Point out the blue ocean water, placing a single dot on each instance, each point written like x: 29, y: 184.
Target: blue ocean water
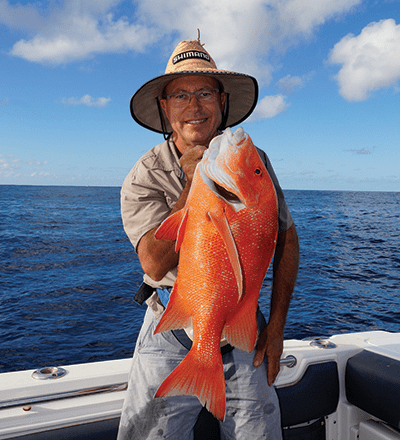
x: 68, y: 273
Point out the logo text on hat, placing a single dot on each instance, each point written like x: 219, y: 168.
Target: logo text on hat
x: 190, y: 54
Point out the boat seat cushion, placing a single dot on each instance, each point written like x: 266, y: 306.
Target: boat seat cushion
x: 373, y: 384
x: 314, y: 396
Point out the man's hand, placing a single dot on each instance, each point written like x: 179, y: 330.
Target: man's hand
x: 286, y: 264
x: 157, y: 257
x: 270, y: 344
x: 189, y: 160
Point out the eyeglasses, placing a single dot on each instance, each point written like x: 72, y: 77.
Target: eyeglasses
x: 182, y: 99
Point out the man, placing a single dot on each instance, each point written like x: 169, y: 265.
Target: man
x: 193, y: 101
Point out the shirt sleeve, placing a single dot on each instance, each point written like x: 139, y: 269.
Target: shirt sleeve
x: 143, y: 204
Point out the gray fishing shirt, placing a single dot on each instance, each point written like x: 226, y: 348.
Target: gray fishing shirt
x: 152, y: 188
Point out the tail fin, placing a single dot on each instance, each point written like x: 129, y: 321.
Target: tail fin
x: 196, y: 377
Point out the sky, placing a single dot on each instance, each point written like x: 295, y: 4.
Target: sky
x: 328, y: 114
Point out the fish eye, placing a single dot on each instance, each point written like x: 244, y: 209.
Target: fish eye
x: 258, y: 172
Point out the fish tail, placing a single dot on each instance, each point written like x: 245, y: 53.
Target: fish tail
x: 200, y: 378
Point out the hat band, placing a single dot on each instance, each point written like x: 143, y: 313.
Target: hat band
x: 190, y: 54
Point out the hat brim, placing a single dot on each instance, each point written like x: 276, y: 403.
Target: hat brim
x: 242, y: 89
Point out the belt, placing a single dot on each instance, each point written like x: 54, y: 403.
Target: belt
x: 184, y: 339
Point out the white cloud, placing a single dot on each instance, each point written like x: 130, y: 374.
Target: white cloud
x: 11, y: 166
x: 239, y: 35
x: 86, y: 100
x: 303, y: 16
x: 269, y: 107
x: 75, y: 29
x: 289, y: 84
x: 361, y: 151
x: 20, y: 16
x: 370, y: 61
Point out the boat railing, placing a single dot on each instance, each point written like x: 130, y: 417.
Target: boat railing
x: 63, y: 395
x: 50, y: 373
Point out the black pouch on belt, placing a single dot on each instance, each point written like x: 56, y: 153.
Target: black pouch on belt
x: 144, y: 293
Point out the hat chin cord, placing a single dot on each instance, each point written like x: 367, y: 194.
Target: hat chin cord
x: 162, y: 120
x: 225, y: 113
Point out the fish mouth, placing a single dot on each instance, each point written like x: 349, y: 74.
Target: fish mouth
x: 227, y: 195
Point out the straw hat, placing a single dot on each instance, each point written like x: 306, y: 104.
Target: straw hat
x: 190, y: 58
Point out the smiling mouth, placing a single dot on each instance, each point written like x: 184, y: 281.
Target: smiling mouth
x: 196, y: 121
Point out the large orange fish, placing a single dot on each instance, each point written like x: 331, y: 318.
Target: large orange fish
x: 226, y: 234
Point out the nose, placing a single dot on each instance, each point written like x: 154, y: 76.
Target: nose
x: 194, y: 100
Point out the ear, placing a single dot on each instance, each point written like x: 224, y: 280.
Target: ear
x: 223, y: 97
x: 164, y: 106
x: 224, y: 106
x: 163, y: 103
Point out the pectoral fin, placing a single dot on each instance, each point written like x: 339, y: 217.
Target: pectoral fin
x: 173, y: 227
x: 221, y: 224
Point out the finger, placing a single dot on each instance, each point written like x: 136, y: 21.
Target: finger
x: 273, y: 370
x: 260, y: 349
x: 258, y: 358
x: 190, y: 158
x: 274, y: 362
x: 196, y: 153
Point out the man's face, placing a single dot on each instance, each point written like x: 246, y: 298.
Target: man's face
x: 196, y: 123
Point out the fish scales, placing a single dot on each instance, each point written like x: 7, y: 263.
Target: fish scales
x: 225, y: 249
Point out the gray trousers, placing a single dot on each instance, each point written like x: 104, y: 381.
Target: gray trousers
x: 252, y: 407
